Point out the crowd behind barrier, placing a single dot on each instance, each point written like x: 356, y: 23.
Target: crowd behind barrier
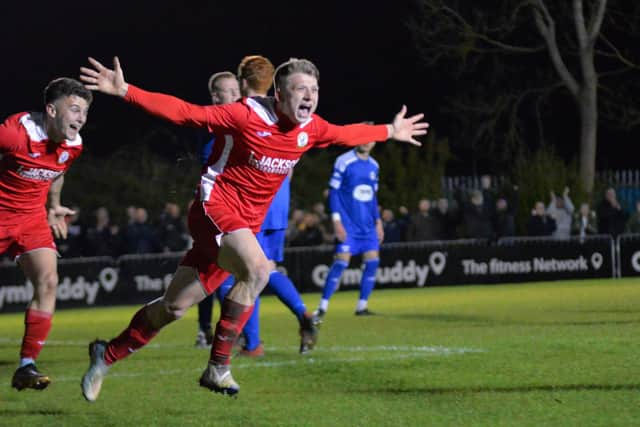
x: 139, y: 278
x: 474, y: 208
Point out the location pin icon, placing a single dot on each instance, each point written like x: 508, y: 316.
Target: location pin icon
x: 596, y: 260
x: 437, y: 262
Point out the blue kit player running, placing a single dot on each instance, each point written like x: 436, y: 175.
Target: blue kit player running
x: 356, y: 220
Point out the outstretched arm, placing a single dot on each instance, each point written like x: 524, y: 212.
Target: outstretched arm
x: 112, y: 82
x: 404, y: 129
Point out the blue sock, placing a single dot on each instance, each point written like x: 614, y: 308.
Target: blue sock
x: 251, y: 329
x: 225, y: 287
x: 368, y: 280
x: 205, y: 307
x: 333, y: 278
x: 283, y: 287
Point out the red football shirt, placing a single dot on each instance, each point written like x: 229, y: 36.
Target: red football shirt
x: 255, y: 147
x: 29, y: 163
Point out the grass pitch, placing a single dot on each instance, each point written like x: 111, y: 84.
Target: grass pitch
x: 561, y: 353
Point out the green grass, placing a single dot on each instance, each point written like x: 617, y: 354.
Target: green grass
x: 561, y: 353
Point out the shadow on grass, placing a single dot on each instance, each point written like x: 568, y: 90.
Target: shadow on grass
x: 485, y: 321
x: 7, y: 362
x: 516, y: 389
x: 31, y: 412
x: 444, y: 317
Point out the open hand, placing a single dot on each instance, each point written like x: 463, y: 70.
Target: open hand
x: 406, y: 128
x: 103, y: 79
x: 55, y: 218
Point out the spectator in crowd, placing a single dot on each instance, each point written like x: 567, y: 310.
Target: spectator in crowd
x: 139, y: 236
x: 584, y: 223
x: 103, y: 238
x: 477, y: 218
x: 611, y: 217
x: 172, y: 229
x: 504, y: 222
x: 392, y: 230
x: 131, y: 214
x: 423, y: 226
x: 308, y: 232
x: 561, y: 209
x: 325, y: 224
x: 295, y: 222
x: 74, y: 245
x: 489, y: 194
x: 633, y: 224
x: 403, y: 221
x: 446, y: 218
x: 540, y: 223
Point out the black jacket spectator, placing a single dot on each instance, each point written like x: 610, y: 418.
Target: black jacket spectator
x: 477, y: 218
x: 139, y: 236
x: 611, y: 217
x: 103, y: 238
x: 540, y: 224
x: 172, y: 229
x: 392, y: 229
x: 423, y: 226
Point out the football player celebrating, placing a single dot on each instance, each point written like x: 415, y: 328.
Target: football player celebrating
x: 258, y: 142
x: 36, y: 149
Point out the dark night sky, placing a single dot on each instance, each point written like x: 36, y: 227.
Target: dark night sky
x: 364, y: 52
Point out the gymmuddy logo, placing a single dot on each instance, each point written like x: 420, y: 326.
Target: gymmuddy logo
x: 403, y: 271
x: 69, y: 289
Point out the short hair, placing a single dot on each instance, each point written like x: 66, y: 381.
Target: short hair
x: 258, y: 71
x: 292, y: 66
x: 65, y: 86
x: 219, y: 76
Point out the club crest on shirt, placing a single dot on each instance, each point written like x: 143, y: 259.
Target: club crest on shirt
x: 303, y: 139
x: 63, y: 157
x: 372, y: 176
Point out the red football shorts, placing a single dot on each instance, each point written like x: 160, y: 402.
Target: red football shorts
x: 207, y: 225
x: 23, y: 233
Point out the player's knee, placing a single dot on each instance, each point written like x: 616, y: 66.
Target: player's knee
x: 174, y: 310
x: 258, y: 276
x: 47, y: 284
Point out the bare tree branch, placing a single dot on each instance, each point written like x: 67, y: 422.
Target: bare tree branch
x: 546, y: 26
x: 470, y: 31
x: 596, y: 22
x: 581, y: 29
x: 616, y: 53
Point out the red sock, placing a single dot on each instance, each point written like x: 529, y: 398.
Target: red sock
x: 137, y: 335
x: 233, y: 317
x: 37, y: 325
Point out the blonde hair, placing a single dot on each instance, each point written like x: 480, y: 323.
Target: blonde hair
x: 219, y: 76
x: 292, y: 66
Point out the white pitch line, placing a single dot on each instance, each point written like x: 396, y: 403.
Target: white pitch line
x: 389, y: 353
x: 439, y: 350
x: 275, y: 364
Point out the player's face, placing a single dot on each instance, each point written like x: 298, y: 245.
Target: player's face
x: 299, y: 98
x: 365, y: 148
x: 225, y: 91
x: 66, y: 116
